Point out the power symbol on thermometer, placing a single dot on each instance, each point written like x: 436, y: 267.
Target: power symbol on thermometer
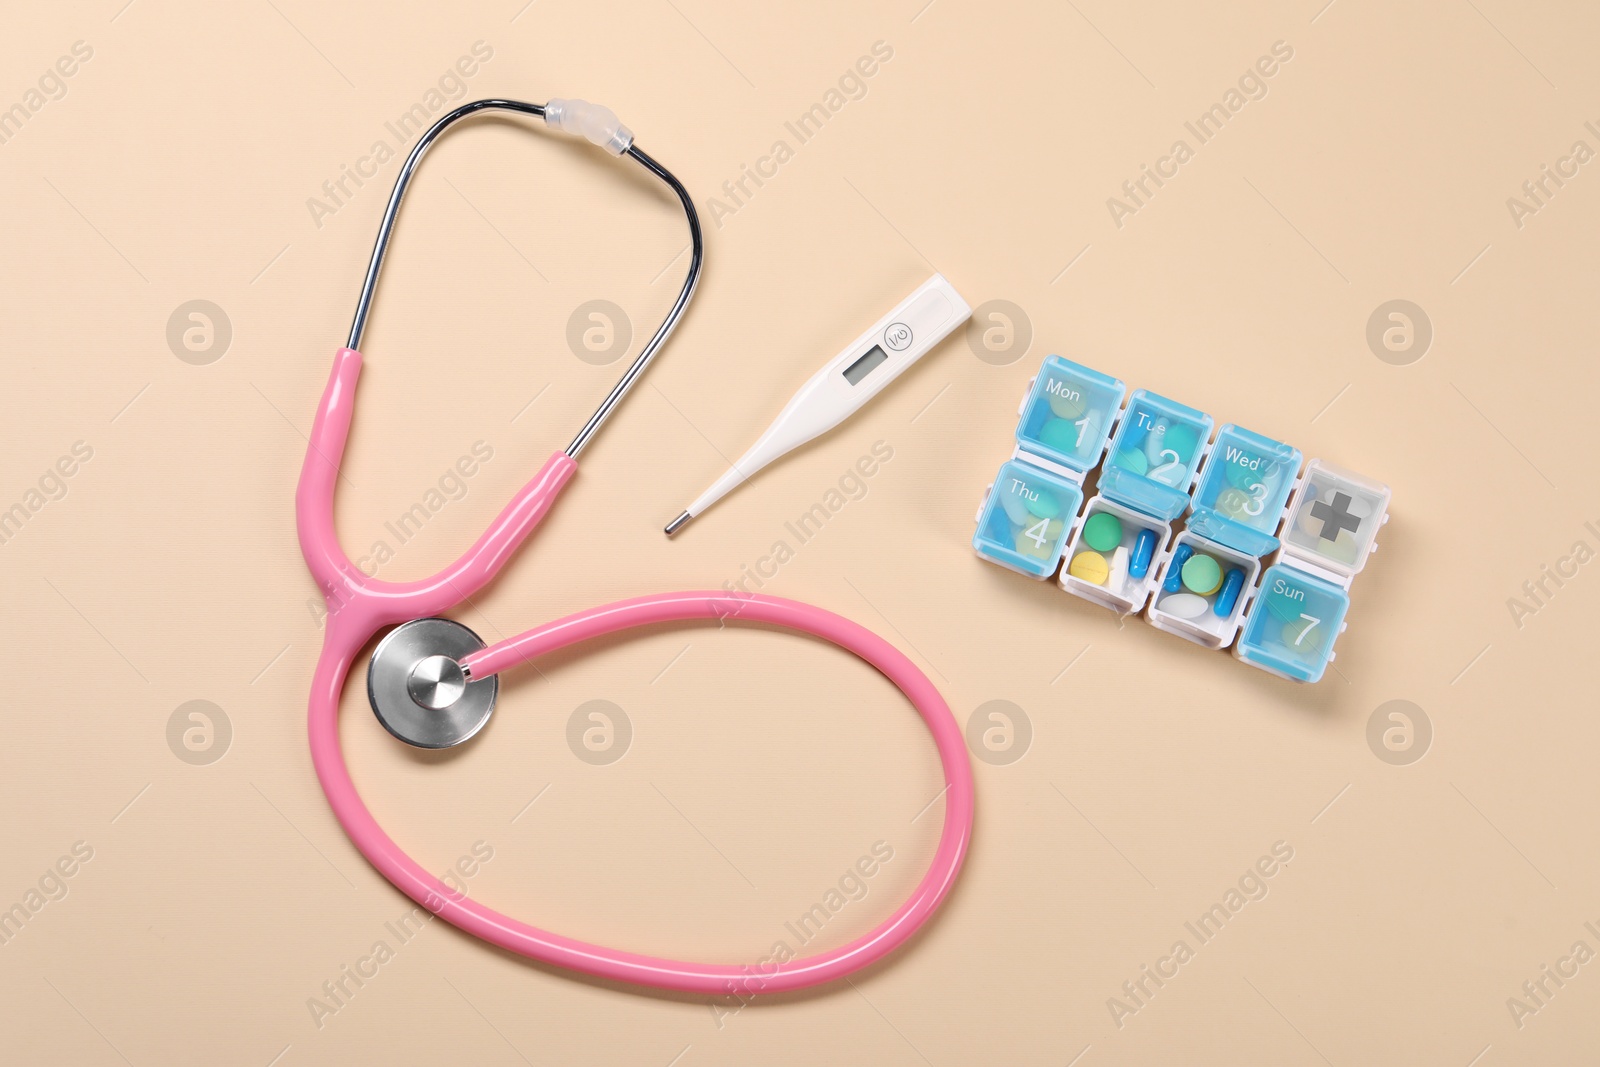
x: 897, y: 336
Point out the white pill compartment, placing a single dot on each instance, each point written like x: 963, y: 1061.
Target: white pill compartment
x: 1124, y: 591
x: 1191, y: 614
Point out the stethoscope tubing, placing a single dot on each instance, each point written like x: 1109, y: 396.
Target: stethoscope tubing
x: 359, y: 606
x: 535, y: 943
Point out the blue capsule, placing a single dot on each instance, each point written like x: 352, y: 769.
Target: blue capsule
x: 1144, y: 547
x: 1174, y: 581
x: 1228, y: 595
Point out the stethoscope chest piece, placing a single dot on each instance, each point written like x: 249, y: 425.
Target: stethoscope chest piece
x: 418, y: 690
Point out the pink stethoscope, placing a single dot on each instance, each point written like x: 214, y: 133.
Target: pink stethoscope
x: 432, y: 682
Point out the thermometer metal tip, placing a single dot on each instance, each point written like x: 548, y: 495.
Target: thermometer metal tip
x: 847, y: 382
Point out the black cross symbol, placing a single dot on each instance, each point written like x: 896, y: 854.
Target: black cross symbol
x: 1335, y: 516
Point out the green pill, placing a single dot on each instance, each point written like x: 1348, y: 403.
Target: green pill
x: 1246, y: 469
x: 1060, y: 435
x: 1287, y: 602
x: 1043, y: 503
x: 1132, y: 459
x: 1180, y: 439
x: 1202, y: 575
x: 1102, y: 532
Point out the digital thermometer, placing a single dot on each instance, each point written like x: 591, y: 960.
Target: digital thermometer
x: 849, y: 380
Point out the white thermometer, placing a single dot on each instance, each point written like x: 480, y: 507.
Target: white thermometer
x: 850, y: 379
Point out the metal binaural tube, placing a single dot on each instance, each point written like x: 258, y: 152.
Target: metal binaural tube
x: 690, y: 281
x: 380, y: 247
x: 651, y: 349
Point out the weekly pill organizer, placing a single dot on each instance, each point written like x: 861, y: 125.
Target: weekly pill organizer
x: 1266, y: 552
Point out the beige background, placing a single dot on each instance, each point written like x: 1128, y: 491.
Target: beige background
x: 220, y: 897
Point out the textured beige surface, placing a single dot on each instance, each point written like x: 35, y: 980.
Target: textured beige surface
x: 1377, y: 166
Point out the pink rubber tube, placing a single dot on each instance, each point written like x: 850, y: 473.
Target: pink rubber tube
x: 358, y: 606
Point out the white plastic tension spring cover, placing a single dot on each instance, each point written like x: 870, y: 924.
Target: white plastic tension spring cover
x: 595, y: 121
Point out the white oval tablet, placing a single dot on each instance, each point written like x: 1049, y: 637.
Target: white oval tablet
x: 1184, y: 605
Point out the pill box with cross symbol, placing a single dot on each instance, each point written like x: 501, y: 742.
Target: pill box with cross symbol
x: 1333, y: 521
x: 1222, y: 542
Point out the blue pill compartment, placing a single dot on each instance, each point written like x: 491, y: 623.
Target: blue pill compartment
x: 1334, y: 518
x: 1026, y: 519
x: 1068, y: 413
x: 1293, y: 624
x: 1207, y: 629
x: 1130, y: 594
x: 1153, y: 457
x: 1243, y: 489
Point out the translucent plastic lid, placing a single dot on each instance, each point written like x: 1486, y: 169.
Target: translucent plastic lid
x: 1293, y: 624
x: 1334, y: 516
x: 1026, y: 519
x: 1153, y: 458
x: 1243, y: 489
x: 1068, y: 413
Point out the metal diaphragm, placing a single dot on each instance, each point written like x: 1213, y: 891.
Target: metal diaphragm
x: 418, y: 690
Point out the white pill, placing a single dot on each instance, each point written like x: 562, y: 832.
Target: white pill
x: 1155, y: 441
x: 1184, y: 605
x: 1170, y: 473
x: 1119, y: 569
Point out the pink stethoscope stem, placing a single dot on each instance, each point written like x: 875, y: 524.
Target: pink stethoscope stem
x: 359, y: 606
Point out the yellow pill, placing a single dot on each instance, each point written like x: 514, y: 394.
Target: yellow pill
x: 1234, y: 503
x: 1342, y: 549
x: 1090, y: 566
x: 1066, y: 400
x: 1039, y: 538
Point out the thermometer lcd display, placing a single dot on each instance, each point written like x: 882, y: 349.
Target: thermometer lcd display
x: 864, y: 366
